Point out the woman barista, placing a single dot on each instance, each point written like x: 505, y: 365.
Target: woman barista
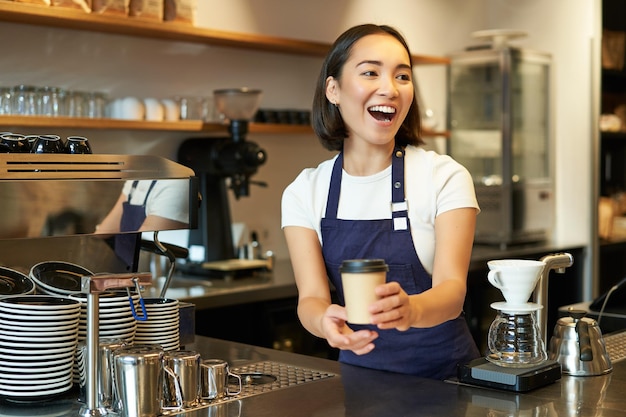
x: 365, y: 108
x: 145, y: 205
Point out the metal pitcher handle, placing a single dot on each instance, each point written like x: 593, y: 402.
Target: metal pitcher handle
x: 228, y: 392
x: 177, y: 388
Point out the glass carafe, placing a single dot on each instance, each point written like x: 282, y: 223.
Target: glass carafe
x: 515, y: 340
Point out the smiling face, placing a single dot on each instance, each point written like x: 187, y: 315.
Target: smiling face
x: 375, y: 90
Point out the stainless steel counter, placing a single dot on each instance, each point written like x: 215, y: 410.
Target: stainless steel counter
x: 351, y: 391
x: 207, y: 292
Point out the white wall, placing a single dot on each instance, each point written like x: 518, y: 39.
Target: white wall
x: 123, y: 65
x: 569, y: 30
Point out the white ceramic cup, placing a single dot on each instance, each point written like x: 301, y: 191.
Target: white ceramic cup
x: 359, y: 278
x: 154, y: 109
x: 515, y: 278
x: 127, y: 108
x: 172, y: 111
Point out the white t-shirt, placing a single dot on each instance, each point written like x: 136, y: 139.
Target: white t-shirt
x: 434, y: 184
x: 168, y: 198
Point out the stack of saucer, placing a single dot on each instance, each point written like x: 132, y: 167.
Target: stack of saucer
x: 115, y: 319
x: 162, y: 326
x: 58, y: 278
x: 38, y: 338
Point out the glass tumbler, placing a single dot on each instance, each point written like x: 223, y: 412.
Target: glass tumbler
x: 24, y: 100
x: 5, y: 100
x: 52, y: 101
x: 190, y: 108
x: 75, y: 104
x: 95, y: 105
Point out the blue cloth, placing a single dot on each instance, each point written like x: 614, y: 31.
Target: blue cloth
x: 429, y: 352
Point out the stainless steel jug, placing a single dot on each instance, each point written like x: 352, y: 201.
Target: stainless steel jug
x: 105, y: 388
x: 577, y: 344
x: 186, y: 366
x: 214, y: 374
x: 140, y: 376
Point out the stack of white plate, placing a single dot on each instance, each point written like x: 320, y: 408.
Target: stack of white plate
x: 58, y: 277
x: 38, y: 338
x: 162, y: 326
x: 13, y: 282
x: 115, y: 318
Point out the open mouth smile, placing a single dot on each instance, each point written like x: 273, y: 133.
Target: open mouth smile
x: 382, y: 113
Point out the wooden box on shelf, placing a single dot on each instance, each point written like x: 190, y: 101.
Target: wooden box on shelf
x: 607, y: 208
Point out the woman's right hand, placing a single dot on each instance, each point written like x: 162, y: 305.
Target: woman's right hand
x: 340, y: 336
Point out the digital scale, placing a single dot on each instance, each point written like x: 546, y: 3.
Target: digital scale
x: 481, y: 372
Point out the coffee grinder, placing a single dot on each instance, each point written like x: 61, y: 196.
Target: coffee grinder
x: 222, y: 163
x: 517, y: 358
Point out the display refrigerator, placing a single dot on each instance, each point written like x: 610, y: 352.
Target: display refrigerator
x: 500, y: 130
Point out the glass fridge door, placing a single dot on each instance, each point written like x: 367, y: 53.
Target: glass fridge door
x: 530, y: 131
x: 476, y: 98
x: 499, y: 115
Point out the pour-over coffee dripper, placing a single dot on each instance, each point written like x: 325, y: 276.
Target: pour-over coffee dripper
x: 514, y: 338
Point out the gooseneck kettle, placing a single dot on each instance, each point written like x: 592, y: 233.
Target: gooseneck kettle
x: 577, y: 344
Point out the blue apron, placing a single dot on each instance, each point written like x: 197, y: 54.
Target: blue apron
x: 133, y: 217
x: 429, y: 352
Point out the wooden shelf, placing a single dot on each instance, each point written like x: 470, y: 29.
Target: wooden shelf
x: 621, y: 241
x: 77, y: 19
x: 192, y: 126
x: 118, y: 124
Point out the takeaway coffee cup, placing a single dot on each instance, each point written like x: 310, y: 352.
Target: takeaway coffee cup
x: 359, y: 278
x: 515, y: 278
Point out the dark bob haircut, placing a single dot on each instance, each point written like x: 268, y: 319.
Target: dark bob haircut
x: 326, y: 119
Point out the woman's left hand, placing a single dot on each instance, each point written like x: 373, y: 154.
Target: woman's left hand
x: 393, y: 310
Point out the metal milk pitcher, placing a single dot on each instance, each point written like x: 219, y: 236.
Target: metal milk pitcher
x: 140, y: 376
x: 105, y: 388
x: 186, y: 366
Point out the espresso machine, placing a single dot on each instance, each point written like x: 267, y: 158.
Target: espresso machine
x: 223, y: 163
x: 37, y: 192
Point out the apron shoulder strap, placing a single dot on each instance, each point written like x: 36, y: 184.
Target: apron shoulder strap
x: 332, y: 203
